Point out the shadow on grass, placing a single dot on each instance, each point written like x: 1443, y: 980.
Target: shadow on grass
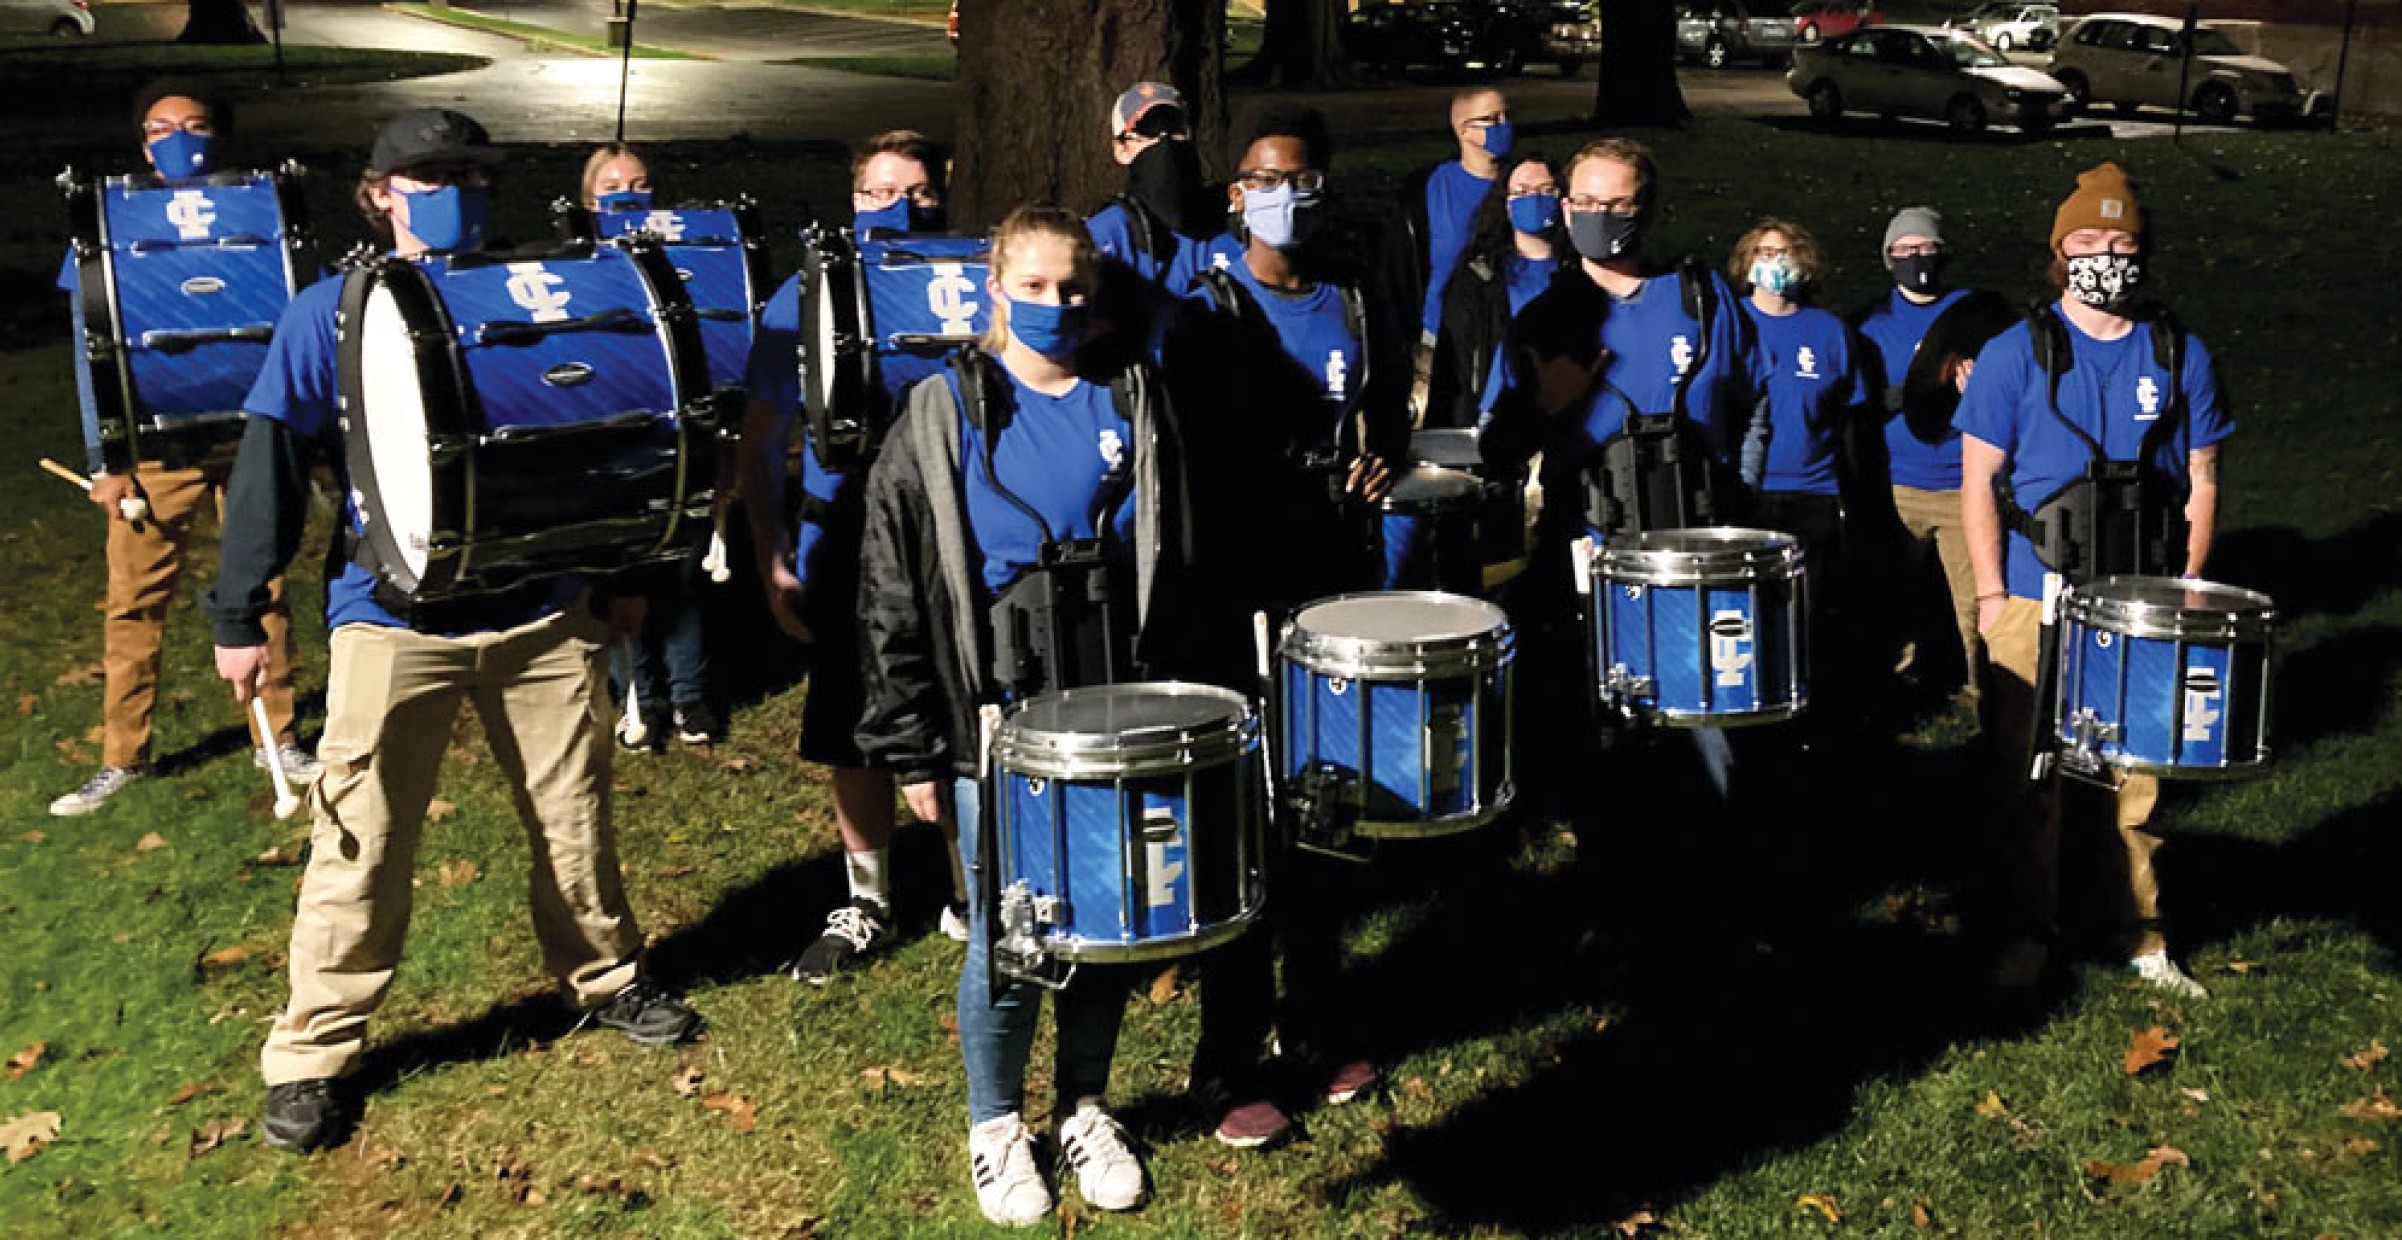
x: 2340, y: 870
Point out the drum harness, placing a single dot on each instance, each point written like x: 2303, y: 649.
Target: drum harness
x: 1658, y: 470
x: 1330, y: 463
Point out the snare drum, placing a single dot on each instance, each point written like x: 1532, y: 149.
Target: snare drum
x: 1129, y: 820
x: 1701, y: 627
x: 513, y: 417
x: 1405, y: 698
x: 1503, y: 532
x: 2164, y: 676
x: 1428, y: 527
x: 717, y: 250
x: 878, y: 315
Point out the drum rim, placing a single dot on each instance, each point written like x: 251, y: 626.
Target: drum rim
x: 1470, y: 497
x: 1360, y: 658
x: 1019, y: 750
x: 1164, y: 947
x: 2093, y: 606
x: 1772, y: 556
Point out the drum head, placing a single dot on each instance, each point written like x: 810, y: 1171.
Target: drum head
x: 1454, y: 448
x: 1114, y: 711
x: 1710, y: 554
x: 1433, y: 487
x: 2172, y: 608
x: 1401, y: 617
x: 399, y: 494
x: 1111, y: 731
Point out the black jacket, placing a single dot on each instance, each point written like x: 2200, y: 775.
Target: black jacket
x: 1476, y: 320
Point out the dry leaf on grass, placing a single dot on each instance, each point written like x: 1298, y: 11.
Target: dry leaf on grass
x: 2376, y: 1108
x: 457, y: 873
x: 33, y: 837
x: 1821, y: 1204
x: 150, y: 843
x: 737, y: 763
x: 2367, y: 1059
x: 1921, y: 1214
x: 225, y: 957
x: 281, y: 854
x: 2240, y: 966
x: 451, y: 1196
x: 88, y: 674
x: 2197, y: 1095
x: 214, y: 1133
x: 438, y: 809
x: 893, y: 1076
x: 2148, y: 1047
x: 2140, y: 1171
x: 24, y: 1136
x: 27, y: 701
x: 22, y: 1062
x: 191, y: 1090
x: 1991, y: 1104
x: 686, y: 1082
x: 740, y: 1110
x: 1634, y: 1222
x: 1165, y: 984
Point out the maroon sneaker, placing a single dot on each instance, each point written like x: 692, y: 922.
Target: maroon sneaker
x: 1350, y: 1081
x: 1253, y: 1124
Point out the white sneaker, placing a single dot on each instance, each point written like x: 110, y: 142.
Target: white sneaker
x: 954, y: 922
x: 1107, y: 1173
x: 105, y: 783
x: 300, y: 766
x: 2162, y: 973
x: 1009, y: 1187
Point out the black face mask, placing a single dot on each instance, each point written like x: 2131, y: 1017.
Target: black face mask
x: 1604, y: 235
x: 1918, y: 273
x: 1166, y: 179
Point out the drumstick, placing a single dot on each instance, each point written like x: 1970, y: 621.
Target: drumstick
x: 287, y: 802
x: 134, y: 507
x: 57, y: 470
x: 714, y: 563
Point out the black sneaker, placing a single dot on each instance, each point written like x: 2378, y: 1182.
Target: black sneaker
x: 308, y: 1115
x: 696, y: 724
x: 647, y: 1015
x: 852, y: 931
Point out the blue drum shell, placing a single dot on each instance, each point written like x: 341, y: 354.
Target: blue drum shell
x: 1701, y: 628
x: 2167, y: 677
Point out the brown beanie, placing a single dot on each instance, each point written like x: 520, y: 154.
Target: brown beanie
x: 2103, y: 200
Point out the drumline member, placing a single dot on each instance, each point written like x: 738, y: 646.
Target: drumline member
x: 1515, y: 246
x: 664, y: 670
x: 1925, y: 477
x: 811, y: 568
x: 1020, y: 458
x: 532, y: 666
x: 2099, y: 375
x: 181, y: 130
x: 1151, y: 228
x: 1422, y: 247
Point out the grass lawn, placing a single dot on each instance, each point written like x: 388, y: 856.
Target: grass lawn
x: 534, y: 36
x: 1638, y: 1033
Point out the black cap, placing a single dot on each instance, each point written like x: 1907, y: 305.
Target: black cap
x: 431, y: 136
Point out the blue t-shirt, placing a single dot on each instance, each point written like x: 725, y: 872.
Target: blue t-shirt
x: 774, y: 380
x: 1452, y: 195
x: 1894, y: 327
x: 1317, y: 335
x: 1652, y: 341
x: 1053, y: 456
x: 1527, y: 278
x: 1223, y: 252
x: 1113, y: 234
x: 1812, y: 378
x: 2114, y: 390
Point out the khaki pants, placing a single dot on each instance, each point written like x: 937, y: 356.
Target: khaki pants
x: 144, y: 563
x: 1934, y: 516
x: 2032, y: 811
x: 541, y: 693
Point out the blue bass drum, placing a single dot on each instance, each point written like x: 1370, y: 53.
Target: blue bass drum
x: 1127, y: 823
x: 717, y: 250
x: 2165, y: 677
x: 182, y: 286
x: 877, y: 315
x: 514, y: 417
x: 1398, y: 704
x: 1701, y: 627
x: 1428, y: 526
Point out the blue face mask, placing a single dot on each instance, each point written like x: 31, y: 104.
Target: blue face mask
x: 1776, y: 275
x: 624, y: 200
x: 900, y: 215
x: 1500, y: 136
x: 1283, y: 217
x: 1534, y: 213
x: 182, y: 154
x: 1056, y: 332
x: 449, y: 218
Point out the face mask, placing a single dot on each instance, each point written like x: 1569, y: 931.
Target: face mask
x: 1053, y: 331
x: 1283, y: 217
x: 1604, y: 235
x: 624, y: 200
x: 1500, y: 136
x: 1165, y: 178
x: 449, y: 218
x: 1776, y: 275
x: 2103, y: 280
x: 1919, y: 273
x: 900, y: 215
x: 1535, y: 213
x: 182, y: 154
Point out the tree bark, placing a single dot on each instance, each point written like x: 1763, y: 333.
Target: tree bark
x: 1036, y: 82
x: 1638, y: 65
x: 219, y: 21
x: 1301, y: 44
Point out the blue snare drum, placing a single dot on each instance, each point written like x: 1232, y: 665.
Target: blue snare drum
x: 1701, y: 627
x: 182, y: 286
x: 1127, y: 822
x: 512, y: 417
x: 1428, y: 525
x: 2164, y: 676
x: 877, y: 315
x: 1401, y: 699
x: 717, y: 250
x: 1502, y: 530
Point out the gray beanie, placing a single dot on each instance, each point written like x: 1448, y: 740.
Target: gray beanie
x: 1923, y: 221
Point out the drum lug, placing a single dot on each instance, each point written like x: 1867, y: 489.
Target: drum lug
x: 1324, y: 803
x: 2083, y: 756
x: 1621, y: 688
x: 1018, y: 949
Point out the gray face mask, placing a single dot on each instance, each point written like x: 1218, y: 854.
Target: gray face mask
x: 2104, y: 280
x: 1604, y: 235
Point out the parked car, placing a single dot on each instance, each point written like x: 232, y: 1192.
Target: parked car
x: 1824, y: 19
x: 2028, y: 27
x: 2133, y: 60
x: 1563, y: 33
x: 1925, y: 71
x: 1721, y: 32
x: 63, y: 18
x: 1466, y: 37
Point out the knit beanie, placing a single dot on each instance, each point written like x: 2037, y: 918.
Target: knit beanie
x: 1924, y: 222
x: 2103, y: 200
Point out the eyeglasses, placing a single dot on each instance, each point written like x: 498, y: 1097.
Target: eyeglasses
x: 886, y: 195
x: 1305, y: 180
x: 1532, y: 190
x: 199, y: 125
x: 1922, y: 250
x: 1488, y: 121
x: 1582, y: 203
x: 1769, y: 251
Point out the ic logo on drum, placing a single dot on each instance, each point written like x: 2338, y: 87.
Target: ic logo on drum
x: 191, y: 212
x: 950, y: 296
x: 1163, y: 855
x: 538, y: 292
x: 2202, y: 699
x: 1730, y: 647
x: 669, y: 225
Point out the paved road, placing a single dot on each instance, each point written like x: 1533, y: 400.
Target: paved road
x: 735, y: 31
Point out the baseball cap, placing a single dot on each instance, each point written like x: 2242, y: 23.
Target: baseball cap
x: 1161, y: 103
x: 431, y: 136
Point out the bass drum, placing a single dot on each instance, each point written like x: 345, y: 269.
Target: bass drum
x: 515, y: 417
x: 717, y: 250
x: 877, y: 315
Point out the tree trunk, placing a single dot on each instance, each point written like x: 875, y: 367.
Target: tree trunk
x: 1036, y: 81
x: 1638, y: 65
x: 219, y: 21
x: 1301, y: 44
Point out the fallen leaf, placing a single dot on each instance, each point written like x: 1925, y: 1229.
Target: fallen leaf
x: 737, y: 763
x: 950, y: 1026
x: 1921, y: 1215
x: 1634, y: 1222
x: 214, y: 1133
x: 591, y: 1183
x: 2240, y: 966
x: 22, y: 1062
x: 186, y: 1093
x: 150, y: 843
x: 450, y: 1196
x: 383, y: 1155
x: 2360, y: 1147
x: 24, y: 1136
x: 457, y: 873
x: 88, y: 674
x: 225, y: 956
x: 1820, y: 1204
x: 279, y: 855
x: 33, y: 837
x: 95, y: 734
x: 27, y: 701
x: 2369, y: 1058
x: 742, y: 1111
x: 2376, y: 1108
x: 2148, y: 1047
x: 1991, y: 1104
x: 438, y: 809
x: 1165, y: 984
x: 2141, y: 1170
x: 1416, y: 1087
x: 686, y: 1082
x: 2198, y: 1095
x: 881, y: 1077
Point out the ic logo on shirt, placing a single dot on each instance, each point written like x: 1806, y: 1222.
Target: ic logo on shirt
x: 1680, y: 354
x: 1806, y: 358
x: 1338, y: 374
x: 2147, y: 399
x: 537, y: 292
x: 1113, y: 450
x: 669, y: 225
x: 950, y: 297
x: 191, y: 212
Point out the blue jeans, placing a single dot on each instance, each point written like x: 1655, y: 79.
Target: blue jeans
x: 996, y: 1034
x: 671, y: 636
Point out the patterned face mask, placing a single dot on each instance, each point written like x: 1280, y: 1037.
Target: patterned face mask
x: 2101, y: 280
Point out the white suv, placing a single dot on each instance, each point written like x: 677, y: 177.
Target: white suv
x: 54, y: 17
x: 2132, y: 60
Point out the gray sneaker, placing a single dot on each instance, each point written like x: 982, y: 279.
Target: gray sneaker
x: 300, y: 766
x: 95, y: 791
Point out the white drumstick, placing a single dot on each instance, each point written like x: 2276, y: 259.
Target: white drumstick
x: 287, y: 802
x: 714, y: 563
x: 133, y: 506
